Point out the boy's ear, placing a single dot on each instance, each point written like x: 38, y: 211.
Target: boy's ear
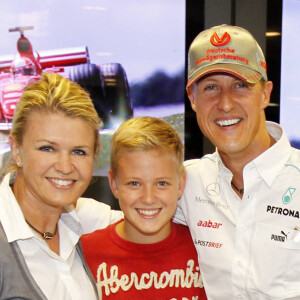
x: 113, y: 184
x: 182, y: 184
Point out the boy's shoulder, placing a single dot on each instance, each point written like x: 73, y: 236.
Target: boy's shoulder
x: 180, y: 228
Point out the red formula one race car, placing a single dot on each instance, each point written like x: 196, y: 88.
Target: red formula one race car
x: 106, y: 83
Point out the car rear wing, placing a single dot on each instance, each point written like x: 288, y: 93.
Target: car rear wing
x: 53, y: 58
x: 5, y: 62
x: 64, y: 57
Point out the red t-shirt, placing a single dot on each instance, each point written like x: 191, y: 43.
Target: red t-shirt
x: 125, y: 270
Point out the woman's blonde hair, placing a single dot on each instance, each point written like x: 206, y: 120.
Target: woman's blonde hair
x: 52, y: 94
x: 143, y: 134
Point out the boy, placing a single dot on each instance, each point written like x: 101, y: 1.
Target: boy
x: 145, y: 255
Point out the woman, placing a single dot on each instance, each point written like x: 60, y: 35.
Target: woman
x: 54, y: 141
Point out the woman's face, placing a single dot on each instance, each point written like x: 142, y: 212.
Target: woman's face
x: 57, y: 155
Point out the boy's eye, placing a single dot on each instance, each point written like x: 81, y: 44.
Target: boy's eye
x: 46, y: 148
x: 79, y: 152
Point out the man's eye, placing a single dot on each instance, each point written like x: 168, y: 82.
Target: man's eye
x: 79, y: 152
x: 46, y: 148
x: 242, y: 85
x: 209, y: 87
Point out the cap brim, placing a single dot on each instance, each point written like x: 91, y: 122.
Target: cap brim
x: 242, y: 72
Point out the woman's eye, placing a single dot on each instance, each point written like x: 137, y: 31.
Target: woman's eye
x: 162, y: 183
x: 46, y: 148
x: 133, y: 183
x: 79, y: 152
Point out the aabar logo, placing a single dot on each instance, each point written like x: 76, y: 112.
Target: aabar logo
x: 216, y: 41
x: 209, y: 224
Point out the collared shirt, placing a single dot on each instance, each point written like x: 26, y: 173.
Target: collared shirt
x: 59, y: 276
x: 248, y: 248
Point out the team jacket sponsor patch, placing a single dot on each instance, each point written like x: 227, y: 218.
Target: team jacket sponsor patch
x: 209, y: 224
x: 283, y: 211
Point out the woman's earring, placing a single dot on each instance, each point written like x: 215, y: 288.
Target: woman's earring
x: 19, y: 164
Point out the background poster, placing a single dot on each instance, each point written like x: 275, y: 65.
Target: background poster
x: 290, y: 62
x: 146, y: 37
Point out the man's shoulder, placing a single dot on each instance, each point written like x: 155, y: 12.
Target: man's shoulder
x: 295, y: 153
x: 294, y: 159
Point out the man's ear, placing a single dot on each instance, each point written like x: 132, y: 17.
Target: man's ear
x: 113, y: 184
x: 267, y: 90
x: 191, y: 96
x: 15, y: 149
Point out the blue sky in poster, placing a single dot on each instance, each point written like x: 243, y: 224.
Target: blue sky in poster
x: 143, y: 36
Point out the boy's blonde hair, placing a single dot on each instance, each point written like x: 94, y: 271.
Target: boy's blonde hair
x: 143, y: 134
x: 52, y: 94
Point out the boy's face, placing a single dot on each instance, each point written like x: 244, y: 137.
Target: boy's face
x: 148, y: 186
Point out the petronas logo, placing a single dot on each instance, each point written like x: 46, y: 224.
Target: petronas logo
x: 288, y: 195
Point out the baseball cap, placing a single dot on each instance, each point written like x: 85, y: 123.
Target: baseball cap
x: 228, y: 49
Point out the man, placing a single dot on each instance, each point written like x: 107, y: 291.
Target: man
x: 241, y: 203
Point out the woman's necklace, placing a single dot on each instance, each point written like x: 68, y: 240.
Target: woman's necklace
x: 46, y: 235
x: 241, y: 191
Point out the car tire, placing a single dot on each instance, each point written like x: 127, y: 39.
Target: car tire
x: 89, y: 77
x: 117, y: 98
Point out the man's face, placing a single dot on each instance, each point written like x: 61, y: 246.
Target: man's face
x: 230, y: 112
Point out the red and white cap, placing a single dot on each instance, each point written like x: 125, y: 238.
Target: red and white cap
x: 228, y: 49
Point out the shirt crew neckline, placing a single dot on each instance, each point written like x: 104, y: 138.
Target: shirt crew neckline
x: 122, y: 243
